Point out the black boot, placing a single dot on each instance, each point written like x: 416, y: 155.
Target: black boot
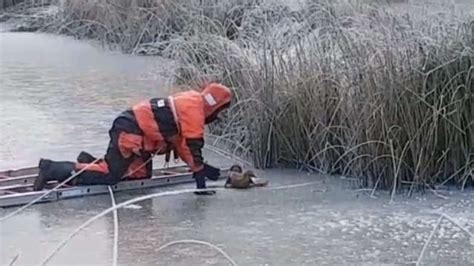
x: 201, y: 184
x: 85, y: 157
x: 50, y: 170
x: 211, y: 172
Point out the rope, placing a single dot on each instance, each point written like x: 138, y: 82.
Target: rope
x: 442, y: 216
x: 116, y: 229
x: 471, y: 235
x: 14, y: 259
x: 199, y: 242
x: 138, y: 199
x: 140, y: 167
x: 47, y: 192
x: 105, y: 212
x: 293, y: 186
x: 428, y: 240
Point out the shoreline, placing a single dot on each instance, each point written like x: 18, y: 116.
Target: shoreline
x: 262, y: 87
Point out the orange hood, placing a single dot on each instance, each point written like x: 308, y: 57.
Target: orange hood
x: 216, y: 98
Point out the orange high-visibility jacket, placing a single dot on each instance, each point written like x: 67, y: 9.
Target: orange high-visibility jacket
x: 193, y: 110
x: 178, y: 121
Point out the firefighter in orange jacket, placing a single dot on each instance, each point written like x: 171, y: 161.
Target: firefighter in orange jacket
x: 150, y: 127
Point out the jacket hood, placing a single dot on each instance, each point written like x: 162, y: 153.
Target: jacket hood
x: 216, y: 98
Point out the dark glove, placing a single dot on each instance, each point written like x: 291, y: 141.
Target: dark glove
x: 201, y: 183
x: 211, y: 172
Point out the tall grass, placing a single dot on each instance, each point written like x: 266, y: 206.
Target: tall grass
x: 349, y: 89
x: 146, y: 25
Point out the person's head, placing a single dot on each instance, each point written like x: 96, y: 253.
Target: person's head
x: 217, y: 98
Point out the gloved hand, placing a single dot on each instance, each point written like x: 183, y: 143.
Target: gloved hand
x: 201, y: 183
x: 211, y: 172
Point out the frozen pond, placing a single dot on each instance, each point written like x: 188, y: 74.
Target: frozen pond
x: 58, y: 96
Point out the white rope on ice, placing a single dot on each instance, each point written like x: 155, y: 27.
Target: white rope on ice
x: 441, y: 217
x: 116, y: 229
x: 199, y: 242
x: 142, y: 198
x: 418, y: 261
x: 105, y: 212
x: 292, y: 186
x: 14, y: 259
x: 471, y: 235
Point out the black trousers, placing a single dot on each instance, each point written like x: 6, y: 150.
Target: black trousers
x: 118, y: 165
